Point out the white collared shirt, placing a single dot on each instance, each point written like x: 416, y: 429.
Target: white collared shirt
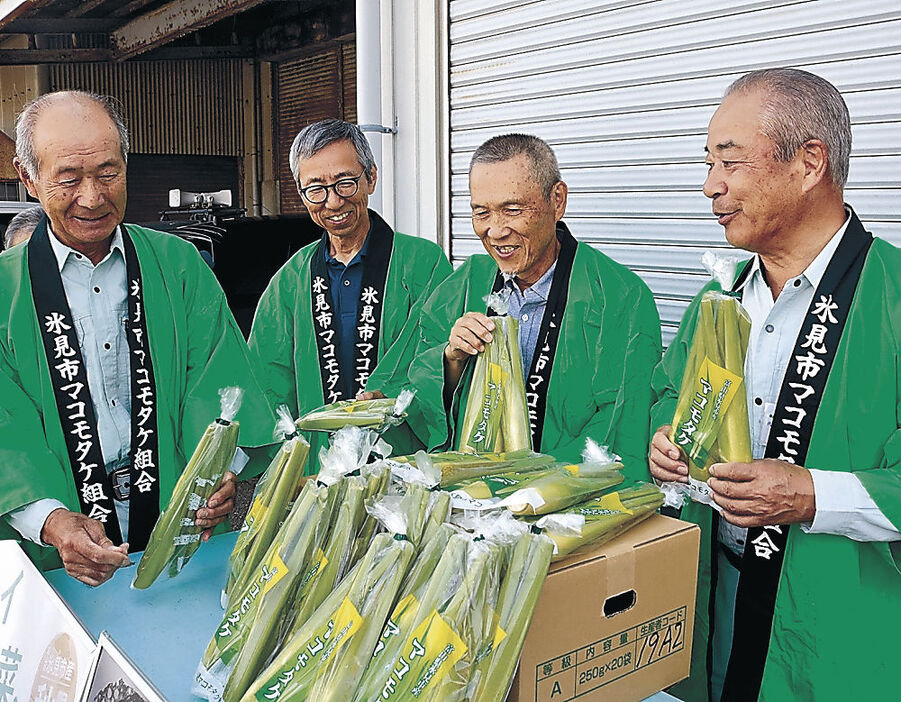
x: 843, y: 506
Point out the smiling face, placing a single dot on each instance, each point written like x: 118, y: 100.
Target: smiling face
x: 80, y: 179
x: 755, y: 197
x: 513, y: 218
x: 341, y: 217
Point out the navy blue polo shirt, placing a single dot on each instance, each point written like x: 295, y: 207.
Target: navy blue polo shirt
x: 345, y: 283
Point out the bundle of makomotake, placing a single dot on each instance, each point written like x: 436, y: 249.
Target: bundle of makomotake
x: 374, y: 588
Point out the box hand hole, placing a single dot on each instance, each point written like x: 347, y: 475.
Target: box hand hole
x: 619, y: 603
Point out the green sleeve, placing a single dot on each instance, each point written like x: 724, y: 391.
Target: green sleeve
x: 29, y: 470
x: 629, y: 350
x: 428, y: 416
x: 884, y: 482
x: 423, y: 274
x: 271, y: 346
x: 217, y: 357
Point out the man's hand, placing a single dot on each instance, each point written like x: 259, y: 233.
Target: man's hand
x: 370, y: 395
x: 219, y: 506
x: 87, y: 553
x: 763, y: 492
x: 468, y: 337
x: 665, y: 459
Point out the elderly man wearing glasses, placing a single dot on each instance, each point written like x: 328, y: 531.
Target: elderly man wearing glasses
x: 340, y: 318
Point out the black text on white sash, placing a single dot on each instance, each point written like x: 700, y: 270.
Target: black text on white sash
x: 789, y: 440
x: 369, y: 314
x: 539, y: 377
x: 74, y: 405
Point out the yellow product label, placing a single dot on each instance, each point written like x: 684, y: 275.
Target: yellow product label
x: 319, y: 563
x: 345, y: 624
x: 274, y: 569
x: 255, y: 512
x: 612, y: 502
x: 574, y: 469
x: 696, y: 430
x: 432, y: 652
x: 499, y: 633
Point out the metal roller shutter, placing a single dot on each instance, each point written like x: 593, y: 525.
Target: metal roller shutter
x: 623, y: 92
x: 309, y: 89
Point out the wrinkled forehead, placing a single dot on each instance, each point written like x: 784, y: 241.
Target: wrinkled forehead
x: 736, y: 123
x: 502, y: 182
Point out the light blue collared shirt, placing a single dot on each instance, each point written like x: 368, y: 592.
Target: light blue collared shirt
x: 528, y: 307
x: 97, y: 297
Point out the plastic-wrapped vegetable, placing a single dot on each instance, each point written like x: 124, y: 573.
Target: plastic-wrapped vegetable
x: 175, y: 537
x: 520, y: 587
x: 275, y: 493
x: 710, y: 423
x: 456, y: 466
x: 336, y: 556
x: 429, y: 575
x: 568, y: 485
x: 379, y: 415
x: 326, y: 657
x: 497, y: 417
x: 378, y: 478
x: 593, y: 523
x: 401, y: 658
x: 257, y: 617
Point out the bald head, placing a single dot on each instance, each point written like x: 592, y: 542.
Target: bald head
x: 70, y: 108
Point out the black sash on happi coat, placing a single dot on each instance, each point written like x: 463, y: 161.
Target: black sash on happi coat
x: 539, y: 378
x: 74, y: 405
x: 369, y: 313
x: 789, y: 440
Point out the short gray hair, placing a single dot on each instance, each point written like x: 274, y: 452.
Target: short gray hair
x: 315, y: 137
x: 545, y: 169
x: 28, y: 117
x: 799, y: 106
x: 22, y: 226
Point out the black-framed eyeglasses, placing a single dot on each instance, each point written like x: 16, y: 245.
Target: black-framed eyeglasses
x: 345, y: 188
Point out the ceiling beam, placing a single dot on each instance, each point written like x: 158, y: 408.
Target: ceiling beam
x: 70, y: 25
x: 84, y: 7
x: 26, y: 57
x: 171, y: 21
x: 13, y: 9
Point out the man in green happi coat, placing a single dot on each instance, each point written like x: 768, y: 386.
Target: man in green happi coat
x: 114, y: 343
x: 589, y: 331
x: 339, y: 320
x: 799, y: 593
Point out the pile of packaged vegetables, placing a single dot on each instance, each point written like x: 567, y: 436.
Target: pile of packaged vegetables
x: 374, y: 588
x: 710, y: 424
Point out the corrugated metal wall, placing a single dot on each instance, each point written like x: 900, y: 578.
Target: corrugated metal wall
x: 309, y: 89
x: 171, y: 107
x: 623, y: 91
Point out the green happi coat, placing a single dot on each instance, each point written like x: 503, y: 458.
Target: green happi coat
x: 600, y: 379
x: 838, y: 605
x: 283, y: 339
x: 196, y: 349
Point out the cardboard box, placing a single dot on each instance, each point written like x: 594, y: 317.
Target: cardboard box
x: 615, y: 623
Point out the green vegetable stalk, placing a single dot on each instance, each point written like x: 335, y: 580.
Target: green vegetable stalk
x: 520, y: 589
x: 456, y: 466
x: 378, y: 415
x: 710, y: 423
x: 175, y: 537
x: 337, y: 552
x: 275, y: 493
x: 496, y: 417
x: 326, y: 658
x: 434, y: 577
x: 591, y: 524
x: 558, y: 489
